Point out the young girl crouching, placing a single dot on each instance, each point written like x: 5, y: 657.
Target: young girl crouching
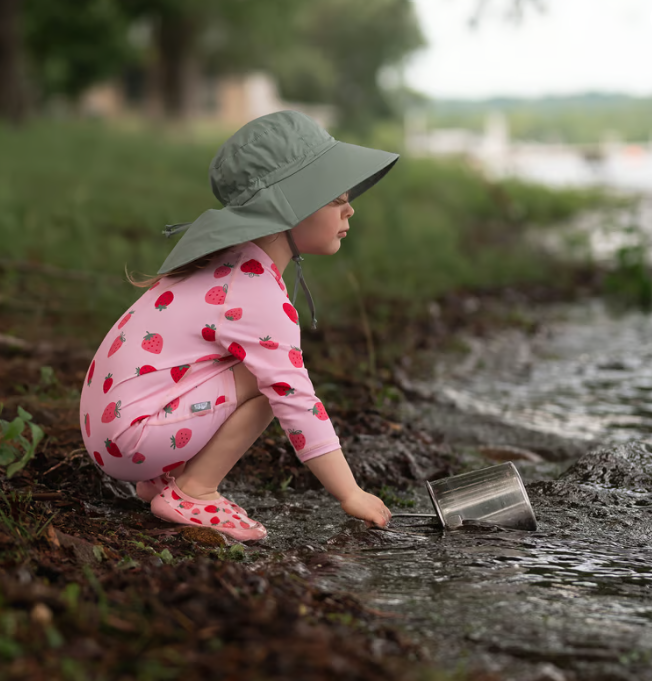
x: 195, y: 370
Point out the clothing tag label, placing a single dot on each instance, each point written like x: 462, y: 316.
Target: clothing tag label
x: 200, y: 406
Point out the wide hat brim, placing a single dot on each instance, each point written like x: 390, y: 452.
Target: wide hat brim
x: 282, y: 205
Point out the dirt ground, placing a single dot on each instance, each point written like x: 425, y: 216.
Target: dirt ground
x: 92, y: 586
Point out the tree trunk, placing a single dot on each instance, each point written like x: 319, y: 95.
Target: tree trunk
x: 13, y: 102
x: 174, y: 38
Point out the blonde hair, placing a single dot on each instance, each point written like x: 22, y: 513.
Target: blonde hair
x: 179, y: 272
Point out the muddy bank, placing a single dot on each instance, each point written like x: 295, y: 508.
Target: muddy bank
x: 423, y: 599
x: 94, y: 586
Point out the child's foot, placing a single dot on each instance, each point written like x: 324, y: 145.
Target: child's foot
x: 173, y: 505
x: 148, y: 489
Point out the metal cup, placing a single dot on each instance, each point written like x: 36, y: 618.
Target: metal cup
x: 494, y: 495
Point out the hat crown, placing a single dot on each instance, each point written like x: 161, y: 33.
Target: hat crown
x: 263, y: 152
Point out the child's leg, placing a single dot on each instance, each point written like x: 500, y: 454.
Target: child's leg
x: 206, y: 470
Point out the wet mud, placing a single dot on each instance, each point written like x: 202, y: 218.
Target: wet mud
x: 93, y: 586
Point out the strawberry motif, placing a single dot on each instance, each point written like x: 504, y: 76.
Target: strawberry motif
x: 87, y: 424
x: 283, y: 389
x: 208, y: 358
x: 223, y: 271
x: 208, y: 332
x: 196, y: 520
x: 214, y: 520
x: 91, y: 371
x: 171, y: 406
x: 210, y: 509
x: 220, y: 400
x: 117, y: 344
x: 172, y: 466
x: 234, y: 314
x: 229, y: 524
x: 252, y: 268
x: 277, y: 275
x: 111, y: 411
x: 164, y: 300
x: 112, y: 448
x: 291, y: 312
x: 245, y: 525
x: 296, y: 357
x: 147, y: 369
x: 216, y: 295
x: 319, y: 411
x: 175, y: 496
x: 186, y: 504
x: 297, y: 439
x: 125, y: 319
x: 268, y: 343
x: 237, y: 351
x: 108, y: 382
x: 195, y: 511
x: 177, y: 373
x: 137, y: 458
x: 181, y: 439
x: 98, y: 458
x: 152, y: 342
x: 140, y: 418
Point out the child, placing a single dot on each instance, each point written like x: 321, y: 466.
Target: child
x: 195, y: 370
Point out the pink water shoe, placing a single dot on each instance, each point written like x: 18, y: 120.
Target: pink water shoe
x: 222, y: 515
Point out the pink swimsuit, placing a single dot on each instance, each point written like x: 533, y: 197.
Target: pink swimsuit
x: 161, y: 383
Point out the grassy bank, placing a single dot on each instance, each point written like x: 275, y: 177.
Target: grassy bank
x: 79, y: 201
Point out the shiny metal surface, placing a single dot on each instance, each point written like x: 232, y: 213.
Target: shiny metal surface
x: 493, y: 495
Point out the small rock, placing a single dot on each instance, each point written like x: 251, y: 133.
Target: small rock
x: 41, y: 614
x: 548, y: 672
x: 203, y: 535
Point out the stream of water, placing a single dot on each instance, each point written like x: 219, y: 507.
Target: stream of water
x: 571, y: 601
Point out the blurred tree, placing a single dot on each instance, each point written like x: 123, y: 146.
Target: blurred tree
x: 13, y: 105
x: 217, y: 37
x: 338, y: 49
x: 73, y: 43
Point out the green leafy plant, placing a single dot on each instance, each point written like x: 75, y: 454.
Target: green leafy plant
x: 630, y: 279
x: 16, y: 449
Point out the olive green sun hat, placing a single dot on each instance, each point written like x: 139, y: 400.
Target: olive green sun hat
x: 270, y: 175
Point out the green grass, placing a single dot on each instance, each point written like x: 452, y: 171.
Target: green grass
x: 86, y: 198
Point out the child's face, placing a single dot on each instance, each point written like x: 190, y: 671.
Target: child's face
x: 322, y: 232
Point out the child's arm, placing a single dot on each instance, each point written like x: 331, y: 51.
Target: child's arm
x: 333, y: 471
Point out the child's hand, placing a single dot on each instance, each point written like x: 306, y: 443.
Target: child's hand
x: 367, y: 507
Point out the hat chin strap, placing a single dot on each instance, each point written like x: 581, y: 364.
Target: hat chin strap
x: 296, y: 256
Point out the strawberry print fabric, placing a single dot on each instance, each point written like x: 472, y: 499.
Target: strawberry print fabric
x: 160, y: 383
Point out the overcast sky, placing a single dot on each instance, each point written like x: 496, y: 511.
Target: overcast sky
x: 577, y: 45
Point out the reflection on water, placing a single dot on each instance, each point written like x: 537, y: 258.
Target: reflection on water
x: 569, y: 602
x: 590, y: 378
x: 575, y: 594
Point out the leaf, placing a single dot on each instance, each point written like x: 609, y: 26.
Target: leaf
x: 37, y: 434
x: 98, y: 552
x: 237, y: 552
x: 14, y: 429
x: 166, y: 556
x: 25, y: 415
x: 8, y: 453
